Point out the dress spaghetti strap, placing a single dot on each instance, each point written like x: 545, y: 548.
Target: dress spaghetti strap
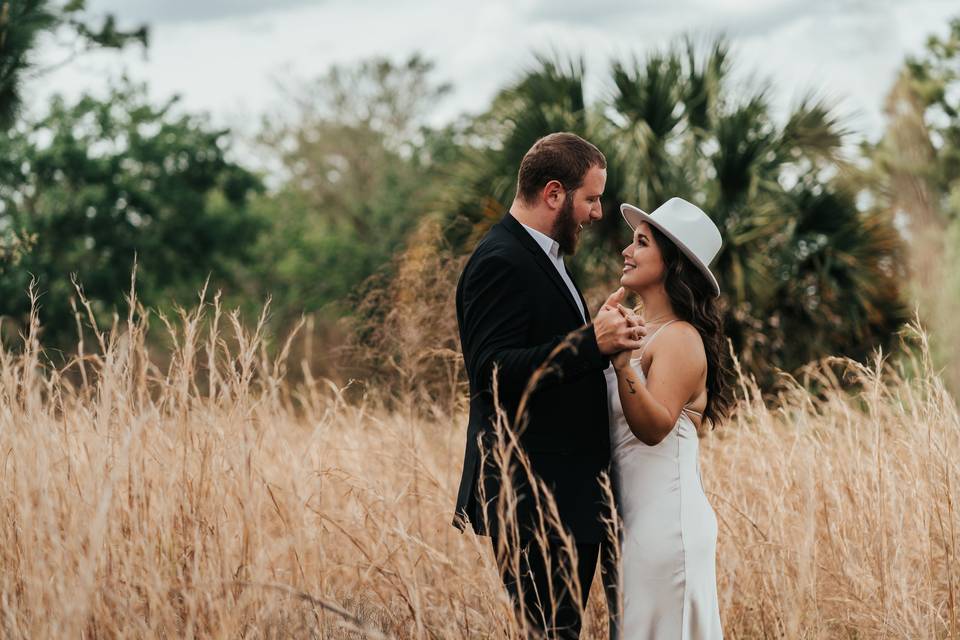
x: 646, y: 344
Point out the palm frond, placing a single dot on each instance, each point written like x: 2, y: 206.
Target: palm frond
x: 745, y: 139
x: 704, y: 79
x: 814, y: 130
x: 649, y: 92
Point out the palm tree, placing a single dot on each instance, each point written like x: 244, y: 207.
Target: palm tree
x: 548, y: 98
x: 805, y: 273
x: 21, y: 23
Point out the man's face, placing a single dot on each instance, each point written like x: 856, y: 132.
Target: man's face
x: 580, y: 208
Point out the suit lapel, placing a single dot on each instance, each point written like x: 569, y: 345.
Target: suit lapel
x: 514, y: 227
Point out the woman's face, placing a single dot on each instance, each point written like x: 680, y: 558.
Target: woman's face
x: 642, y: 261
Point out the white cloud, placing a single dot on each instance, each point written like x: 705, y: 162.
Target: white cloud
x: 222, y: 58
x: 139, y: 11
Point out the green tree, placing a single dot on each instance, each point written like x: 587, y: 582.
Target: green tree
x: 935, y: 79
x: 96, y: 182
x: 916, y: 176
x: 805, y: 272
x: 359, y: 168
x: 23, y: 22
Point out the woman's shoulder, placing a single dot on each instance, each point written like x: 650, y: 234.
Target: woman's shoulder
x: 680, y: 336
x: 681, y: 330
x: 680, y: 348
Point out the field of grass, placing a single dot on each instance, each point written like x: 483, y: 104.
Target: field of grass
x: 214, y: 498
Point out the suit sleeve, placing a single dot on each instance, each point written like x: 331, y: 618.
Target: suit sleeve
x: 496, y: 319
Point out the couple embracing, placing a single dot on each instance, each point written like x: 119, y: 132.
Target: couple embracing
x: 561, y: 399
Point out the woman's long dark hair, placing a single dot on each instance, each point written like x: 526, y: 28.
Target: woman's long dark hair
x: 692, y: 297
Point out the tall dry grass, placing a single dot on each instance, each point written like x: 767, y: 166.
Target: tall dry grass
x: 210, y: 498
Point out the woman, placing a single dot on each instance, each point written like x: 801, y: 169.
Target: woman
x: 658, y: 398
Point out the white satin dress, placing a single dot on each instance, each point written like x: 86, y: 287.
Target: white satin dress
x: 669, y: 537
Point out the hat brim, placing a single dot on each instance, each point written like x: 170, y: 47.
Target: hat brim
x: 635, y: 216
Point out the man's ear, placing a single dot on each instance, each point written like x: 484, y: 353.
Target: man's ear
x: 553, y: 194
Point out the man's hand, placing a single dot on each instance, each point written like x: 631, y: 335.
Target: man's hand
x: 617, y: 328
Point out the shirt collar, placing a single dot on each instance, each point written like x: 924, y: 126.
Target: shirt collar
x: 550, y: 246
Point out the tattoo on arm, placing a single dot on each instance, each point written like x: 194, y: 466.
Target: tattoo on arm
x: 630, y: 384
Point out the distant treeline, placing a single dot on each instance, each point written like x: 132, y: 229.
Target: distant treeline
x: 827, y: 247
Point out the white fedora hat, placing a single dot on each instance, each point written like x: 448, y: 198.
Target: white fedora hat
x: 691, y: 230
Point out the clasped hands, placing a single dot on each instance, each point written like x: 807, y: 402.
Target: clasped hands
x: 619, y: 330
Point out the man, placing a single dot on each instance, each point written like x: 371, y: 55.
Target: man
x: 516, y: 304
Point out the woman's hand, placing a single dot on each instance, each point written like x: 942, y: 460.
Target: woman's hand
x: 617, y: 328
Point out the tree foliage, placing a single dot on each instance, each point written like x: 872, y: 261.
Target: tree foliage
x: 23, y: 22
x: 360, y: 172
x: 915, y: 175
x: 805, y: 272
x: 97, y: 183
x: 935, y: 77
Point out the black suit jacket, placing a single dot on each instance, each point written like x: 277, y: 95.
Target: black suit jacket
x: 513, y: 308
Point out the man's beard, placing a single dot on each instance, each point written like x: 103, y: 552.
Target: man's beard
x: 565, y: 228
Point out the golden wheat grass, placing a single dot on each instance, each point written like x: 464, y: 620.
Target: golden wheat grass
x: 212, y: 498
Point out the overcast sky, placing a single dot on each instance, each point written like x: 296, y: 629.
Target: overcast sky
x: 222, y: 56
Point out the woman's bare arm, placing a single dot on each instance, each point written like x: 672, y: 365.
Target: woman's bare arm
x: 677, y: 371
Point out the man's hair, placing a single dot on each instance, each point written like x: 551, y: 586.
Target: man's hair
x: 564, y: 157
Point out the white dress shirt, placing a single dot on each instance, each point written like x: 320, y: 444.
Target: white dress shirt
x: 552, y: 248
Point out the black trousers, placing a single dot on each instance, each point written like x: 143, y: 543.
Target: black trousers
x: 542, y: 592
